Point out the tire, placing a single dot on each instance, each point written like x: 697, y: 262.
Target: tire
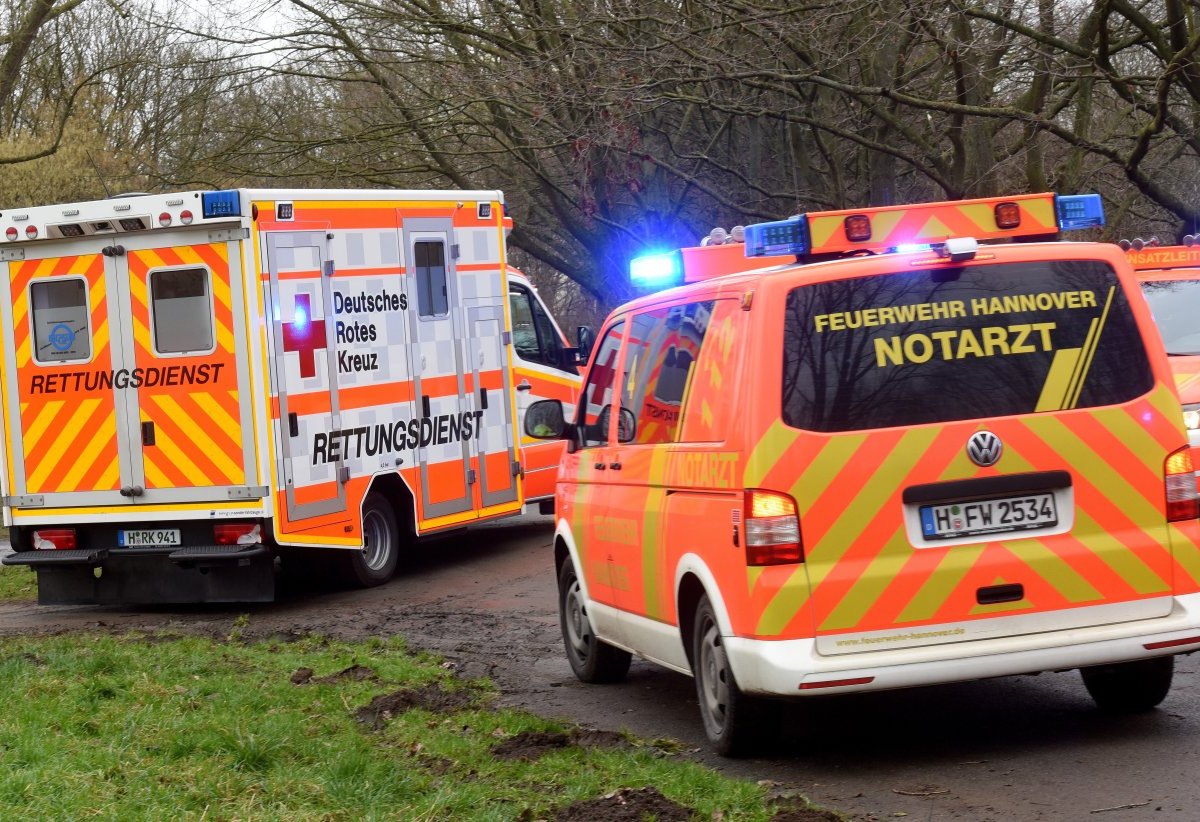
x: 736, y: 724
x: 592, y: 659
x: 375, y: 563
x: 1130, y: 687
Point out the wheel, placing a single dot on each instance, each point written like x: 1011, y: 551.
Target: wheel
x: 736, y: 724
x: 592, y: 659
x: 1130, y: 687
x: 376, y: 562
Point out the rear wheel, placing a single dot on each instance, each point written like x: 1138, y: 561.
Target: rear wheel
x: 376, y: 562
x: 592, y: 659
x: 736, y: 724
x: 1130, y: 687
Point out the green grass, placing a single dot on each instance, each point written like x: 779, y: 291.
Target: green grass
x: 134, y: 727
x: 17, y: 583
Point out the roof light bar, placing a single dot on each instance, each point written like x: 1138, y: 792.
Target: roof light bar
x: 656, y: 270
x: 782, y: 237
x: 1079, y: 211
x: 221, y: 204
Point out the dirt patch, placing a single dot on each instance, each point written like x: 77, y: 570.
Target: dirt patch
x: 430, y: 697
x: 626, y: 805
x: 355, y: 673
x: 302, y: 676
x: 535, y: 744
x: 796, y: 810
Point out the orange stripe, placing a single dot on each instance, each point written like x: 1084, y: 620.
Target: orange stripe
x: 57, y: 479
x: 228, y: 441
x: 178, y: 436
x: 363, y: 396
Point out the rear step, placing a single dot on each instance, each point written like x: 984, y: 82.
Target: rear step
x: 217, y: 553
x: 96, y: 556
x: 73, y: 556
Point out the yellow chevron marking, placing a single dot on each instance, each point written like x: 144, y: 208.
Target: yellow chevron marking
x: 220, y: 287
x: 822, y: 228
x: 1042, y: 211
x: 228, y: 468
x: 100, y: 340
x: 92, y: 451
x: 217, y: 414
x: 182, y: 461
x: 934, y: 229
x: 1052, y: 568
x: 1185, y: 552
x: 79, y: 418
x: 110, y: 477
x: 137, y: 290
x: 155, y: 477
x: 767, y: 452
x: 1140, y: 442
x: 40, y: 423
x: 982, y: 215
x: 1166, y: 404
x: 24, y: 353
x: 1058, y: 380
x: 788, y: 600
x: 882, y: 570
x: 946, y: 578
x: 224, y: 338
x: 753, y: 573
x: 1128, y: 565
x: 882, y: 225
x: 142, y: 334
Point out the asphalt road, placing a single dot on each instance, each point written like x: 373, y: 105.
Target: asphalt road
x: 1029, y: 748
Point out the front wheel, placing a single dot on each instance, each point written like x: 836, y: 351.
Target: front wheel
x: 592, y: 659
x: 1130, y: 687
x: 736, y: 724
x: 376, y: 562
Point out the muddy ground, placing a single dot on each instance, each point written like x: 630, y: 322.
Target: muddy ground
x: 1031, y: 748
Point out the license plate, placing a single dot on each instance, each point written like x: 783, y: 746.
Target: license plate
x: 148, y: 536
x: 988, y: 516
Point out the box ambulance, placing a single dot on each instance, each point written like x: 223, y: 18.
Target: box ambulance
x: 196, y: 385
x: 1170, y: 280
x: 894, y: 447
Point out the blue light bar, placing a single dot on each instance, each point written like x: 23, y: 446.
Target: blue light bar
x: 657, y: 270
x: 912, y: 248
x: 1079, y: 211
x: 221, y: 204
x: 781, y: 238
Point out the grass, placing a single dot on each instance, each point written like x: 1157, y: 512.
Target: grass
x: 17, y: 583
x: 142, y: 727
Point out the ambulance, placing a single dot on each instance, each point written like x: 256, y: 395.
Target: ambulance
x: 199, y: 387
x: 874, y: 449
x: 1170, y: 280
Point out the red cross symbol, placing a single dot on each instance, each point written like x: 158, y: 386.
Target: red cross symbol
x: 602, y: 377
x: 304, y: 335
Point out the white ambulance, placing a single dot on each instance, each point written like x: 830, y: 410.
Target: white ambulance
x: 197, y: 384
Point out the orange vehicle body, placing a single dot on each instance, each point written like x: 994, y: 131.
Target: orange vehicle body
x: 890, y: 583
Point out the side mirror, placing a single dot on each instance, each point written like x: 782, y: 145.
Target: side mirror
x: 544, y: 420
x: 585, y: 338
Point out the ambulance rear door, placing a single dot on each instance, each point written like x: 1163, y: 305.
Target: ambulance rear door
x: 68, y: 434
x: 184, y: 344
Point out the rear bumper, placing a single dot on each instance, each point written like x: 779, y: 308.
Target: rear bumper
x: 794, y: 668
x: 129, y: 576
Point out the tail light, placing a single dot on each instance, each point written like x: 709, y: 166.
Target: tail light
x: 772, y: 529
x: 858, y: 228
x: 1180, y: 480
x: 237, y: 533
x: 1008, y: 215
x: 51, y: 539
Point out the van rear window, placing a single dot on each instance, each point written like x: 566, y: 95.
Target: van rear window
x: 928, y: 346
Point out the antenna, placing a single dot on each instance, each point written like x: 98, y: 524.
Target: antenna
x: 99, y: 176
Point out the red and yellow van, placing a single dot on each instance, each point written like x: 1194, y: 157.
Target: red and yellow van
x: 864, y: 464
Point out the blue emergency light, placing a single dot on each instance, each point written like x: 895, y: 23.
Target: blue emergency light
x: 1079, y: 211
x: 778, y: 238
x: 656, y: 270
x: 221, y: 204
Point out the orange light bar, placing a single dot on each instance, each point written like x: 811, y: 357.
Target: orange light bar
x: 1171, y: 256
x: 892, y: 226
x: 706, y: 262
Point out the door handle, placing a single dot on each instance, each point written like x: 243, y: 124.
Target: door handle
x: 293, y: 424
x: 616, y: 466
x: 524, y: 385
x: 148, y: 433
x: 600, y: 466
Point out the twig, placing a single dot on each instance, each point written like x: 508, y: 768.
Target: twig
x: 1122, y: 807
x: 935, y: 792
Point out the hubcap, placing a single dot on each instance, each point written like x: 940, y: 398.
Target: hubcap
x: 377, y: 538
x: 578, y: 630
x: 713, y: 683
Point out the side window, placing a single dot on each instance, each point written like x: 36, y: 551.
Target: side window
x: 534, y: 335
x: 429, y: 267
x: 664, y: 345
x: 181, y: 311
x: 59, y: 312
x: 595, y: 407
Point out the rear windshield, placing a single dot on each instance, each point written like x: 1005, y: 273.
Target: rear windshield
x: 959, y: 343
x: 1175, y: 305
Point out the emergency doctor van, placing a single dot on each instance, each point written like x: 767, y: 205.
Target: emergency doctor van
x: 884, y: 448
x: 196, y: 385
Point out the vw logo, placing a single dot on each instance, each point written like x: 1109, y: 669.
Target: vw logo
x: 984, y: 448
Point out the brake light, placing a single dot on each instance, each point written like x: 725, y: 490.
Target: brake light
x: 237, y: 533
x: 1180, y: 480
x: 54, y: 539
x: 772, y: 529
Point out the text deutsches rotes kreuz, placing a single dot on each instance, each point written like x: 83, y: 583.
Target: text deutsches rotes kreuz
x: 357, y: 331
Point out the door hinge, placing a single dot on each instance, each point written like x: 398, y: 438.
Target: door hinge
x: 454, y: 251
x: 506, y: 338
x: 248, y: 492
x: 12, y: 254
x: 343, y: 475
x: 25, y: 501
x: 327, y: 268
x: 226, y: 235
x: 470, y: 476
x: 516, y: 469
x: 113, y: 251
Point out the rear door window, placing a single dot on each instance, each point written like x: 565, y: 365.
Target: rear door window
x: 1175, y: 305
x: 955, y: 344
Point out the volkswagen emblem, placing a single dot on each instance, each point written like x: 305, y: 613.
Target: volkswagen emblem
x: 984, y: 448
